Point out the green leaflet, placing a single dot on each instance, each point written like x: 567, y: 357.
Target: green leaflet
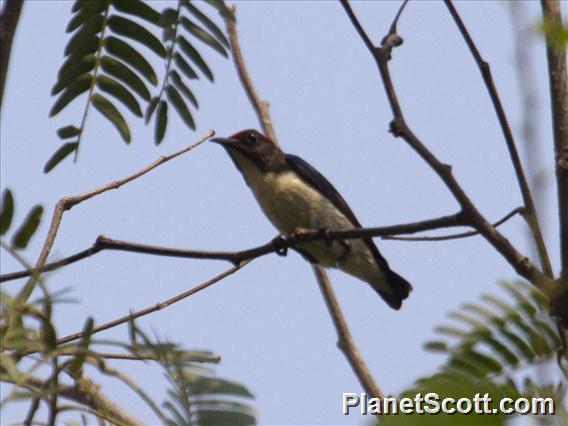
x: 61, y: 154
x: 195, y: 57
x: 161, y: 122
x: 203, y: 35
x: 185, y: 67
x: 131, y: 29
x: 117, y: 69
x: 28, y: 228
x: 84, y: 36
x: 208, y: 23
x: 114, y: 88
x: 7, y: 211
x: 72, y: 69
x: 107, y: 109
x: 181, y: 86
x: 131, y: 56
x: 79, y: 86
x: 86, y: 11
x: 175, y: 98
x: 68, y: 132
x: 137, y: 8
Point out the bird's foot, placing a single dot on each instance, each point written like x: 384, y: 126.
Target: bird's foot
x: 325, y: 234
x: 281, y: 244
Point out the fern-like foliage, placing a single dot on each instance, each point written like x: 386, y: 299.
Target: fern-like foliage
x: 104, y: 59
x: 497, y: 347
x: 29, y: 226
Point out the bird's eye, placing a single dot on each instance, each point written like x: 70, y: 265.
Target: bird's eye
x: 252, y: 138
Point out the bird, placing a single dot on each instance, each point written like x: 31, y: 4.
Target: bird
x: 295, y: 196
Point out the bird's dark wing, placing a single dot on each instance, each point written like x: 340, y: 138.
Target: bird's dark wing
x: 400, y: 287
x: 321, y: 184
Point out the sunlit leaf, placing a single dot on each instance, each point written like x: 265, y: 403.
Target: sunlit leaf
x: 129, y: 55
x: 106, y: 108
x: 117, y: 69
x: 161, y: 122
x: 63, y: 152
x: 114, y: 88
x: 79, y: 86
x: 7, y: 211
x: 137, y: 32
x: 28, y: 228
x: 195, y: 57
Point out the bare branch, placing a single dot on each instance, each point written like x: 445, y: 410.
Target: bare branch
x: 278, y: 244
x: 559, y: 102
x: 8, y: 24
x: 157, y: 307
x: 346, y: 343
x: 531, y: 215
x: 67, y: 203
x: 399, y: 128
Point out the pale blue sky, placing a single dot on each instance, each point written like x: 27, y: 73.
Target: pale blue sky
x: 268, y: 321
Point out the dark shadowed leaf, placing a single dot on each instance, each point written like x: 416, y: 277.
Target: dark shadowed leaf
x: 84, y: 35
x: 161, y: 122
x: 185, y: 67
x: 175, y: 98
x: 89, y: 45
x: 7, y: 211
x: 139, y: 9
x: 178, y: 82
x: 131, y: 56
x: 169, y: 17
x: 222, y: 8
x: 71, y: 69
x: 208, y: 23
x: 150, y: 109
x: 79, y: 86
x: 68, y: 132
x: 195, y: 57
x: 114, y: 88
x: 87, y: 10
x: 117, y: 69
x: 203, y: 35
x: 28, y: 228
x: 80, y: 357
x: 60, y: 155
x: 106, y: 108
x: 137, y: 32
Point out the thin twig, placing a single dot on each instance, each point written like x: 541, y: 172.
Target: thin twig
x: 400, y: 128
x: 157, y: 307
x: 530, y: 215
x: 278, y: 244
x: 260, y: 107
x: 345, y: 341
x: 67, y: 203
x: 8, y: 24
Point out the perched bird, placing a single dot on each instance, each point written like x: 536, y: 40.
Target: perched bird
x: 294, y: 195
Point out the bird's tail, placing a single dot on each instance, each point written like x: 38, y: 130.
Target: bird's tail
x: 400, y: 290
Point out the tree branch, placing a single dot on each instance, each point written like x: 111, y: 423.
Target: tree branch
x: 8, y: 24
x: 67, y: 203
x: 558, y: 79
x: 345, y: 341
x: 279, y: 244
x: 157, y: 307
x: 530, y: 215
x: 399, y: 128
x: 88, y: 393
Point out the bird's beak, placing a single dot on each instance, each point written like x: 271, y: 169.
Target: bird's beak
x: 224, y: 141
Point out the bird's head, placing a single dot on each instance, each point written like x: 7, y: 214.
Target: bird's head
x: 253, y: 146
